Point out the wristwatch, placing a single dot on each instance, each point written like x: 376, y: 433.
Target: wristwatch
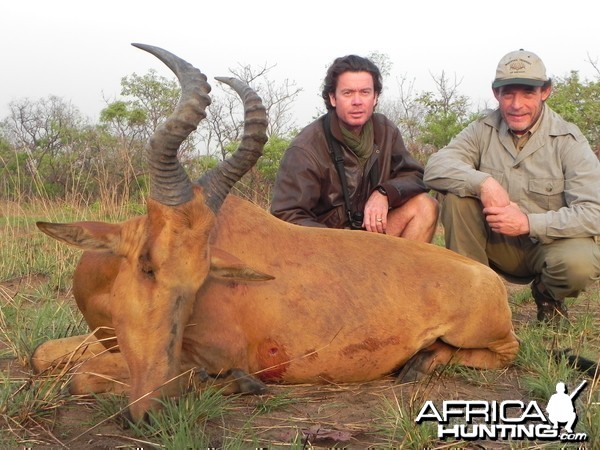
x: 381, y: 190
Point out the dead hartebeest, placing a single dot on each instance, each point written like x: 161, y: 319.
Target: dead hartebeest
x: 210, y: 283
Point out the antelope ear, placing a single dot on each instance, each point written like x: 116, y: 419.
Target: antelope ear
x: 93, y: 236
x: 225, y: 266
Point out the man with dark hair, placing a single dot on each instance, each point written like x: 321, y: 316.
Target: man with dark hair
x: 523, y: 190
x: 350, y: 168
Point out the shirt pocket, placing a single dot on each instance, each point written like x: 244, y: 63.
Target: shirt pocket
x: 547, y: 193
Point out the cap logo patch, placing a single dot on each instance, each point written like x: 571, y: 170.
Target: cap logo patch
x: 517, y: 65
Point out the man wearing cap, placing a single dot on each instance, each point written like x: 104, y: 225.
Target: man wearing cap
x: 522, y: 190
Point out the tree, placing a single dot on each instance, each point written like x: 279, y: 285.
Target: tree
x: 38, y: 128
x: 427, y: 120
x: 11, y: 163
x: 43, y: 135
x: 405, y: 111
x: 224, y: 119
x: 128, y: 123
x: 447, y: 113
x: 222, y: 130
x: 382, y: 61
x: 148, y: 100
x: 125, y: 120
x: 153, y: 95
x: 257, y: 184
x: 578, y: 101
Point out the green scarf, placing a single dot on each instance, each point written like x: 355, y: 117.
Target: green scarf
x: 361, y: 145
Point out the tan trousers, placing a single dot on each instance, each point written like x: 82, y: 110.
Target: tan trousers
x: 565, y: 267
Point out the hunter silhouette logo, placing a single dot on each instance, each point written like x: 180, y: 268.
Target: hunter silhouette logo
x: 561, y: 408
x: 508, y: 419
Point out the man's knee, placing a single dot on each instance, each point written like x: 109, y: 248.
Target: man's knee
x: 575, y: 266
x: 454, y: 207
x: 422, y: 208
x: 416, y: 219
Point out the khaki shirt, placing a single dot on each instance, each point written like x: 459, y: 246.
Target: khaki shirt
x: 555, y: 178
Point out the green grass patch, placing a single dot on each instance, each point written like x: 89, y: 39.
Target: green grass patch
x: 396, y: 426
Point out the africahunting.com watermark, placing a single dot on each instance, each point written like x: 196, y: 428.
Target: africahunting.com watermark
x: 507, y: 420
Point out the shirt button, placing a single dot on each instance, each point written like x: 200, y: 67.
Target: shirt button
x: 548, y: 187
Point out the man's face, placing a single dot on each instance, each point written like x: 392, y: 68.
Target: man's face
x: 354, y: 99
x: 521, y: 105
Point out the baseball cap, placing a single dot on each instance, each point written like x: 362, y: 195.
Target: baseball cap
x: 520, y: 67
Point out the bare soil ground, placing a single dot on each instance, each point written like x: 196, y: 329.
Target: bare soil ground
x: 340, y: 416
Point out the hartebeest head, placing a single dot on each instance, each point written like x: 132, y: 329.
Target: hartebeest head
x: 165, y: 255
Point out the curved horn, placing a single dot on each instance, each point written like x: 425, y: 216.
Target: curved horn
x: 218, y: 181
x: 169, y: 183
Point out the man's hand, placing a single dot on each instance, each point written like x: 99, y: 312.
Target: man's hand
x: 491, y: 193
x: 502, y: 215
x: 376, y: 211
x: 508, y: 220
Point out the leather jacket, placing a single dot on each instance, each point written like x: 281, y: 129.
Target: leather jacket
x: 308, y: 191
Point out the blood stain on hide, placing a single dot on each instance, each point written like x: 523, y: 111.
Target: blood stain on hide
x: 273, y: 360
x: 369, y: 345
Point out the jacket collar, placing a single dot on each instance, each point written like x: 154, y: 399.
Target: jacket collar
x: 551, y: 124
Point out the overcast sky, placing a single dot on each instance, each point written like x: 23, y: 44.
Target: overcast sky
x: 79, y: 50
